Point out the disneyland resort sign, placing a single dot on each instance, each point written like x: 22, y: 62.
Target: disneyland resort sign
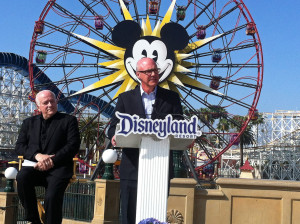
x: 160, y: 128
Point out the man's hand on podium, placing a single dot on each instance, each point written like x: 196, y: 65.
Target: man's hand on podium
x: 113, y: 141
x: 191, y: 145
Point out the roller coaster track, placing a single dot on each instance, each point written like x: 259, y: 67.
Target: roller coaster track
x: 20, y: 64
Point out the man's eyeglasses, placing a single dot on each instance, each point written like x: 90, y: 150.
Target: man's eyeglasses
x: 150, y: 71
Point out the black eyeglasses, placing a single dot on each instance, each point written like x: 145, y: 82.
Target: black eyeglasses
x: 150, y: 71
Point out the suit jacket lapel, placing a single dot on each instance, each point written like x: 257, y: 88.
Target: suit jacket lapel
x: 37, y: 127
x: 140, y: 111
x: 157, y: 105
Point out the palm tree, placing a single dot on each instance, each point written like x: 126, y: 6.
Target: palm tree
x: 89, y: 132
x: 246, y: 138
x: 206, y: 115
x: 186, y: 112
x: 220, y: 114
x: 223, y: 125
x: 260, y: 120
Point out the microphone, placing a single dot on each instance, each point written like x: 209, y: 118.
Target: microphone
x: 154, y: 107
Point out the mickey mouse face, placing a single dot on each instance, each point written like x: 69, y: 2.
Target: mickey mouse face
x: 150, y: 47
x: 161, y: 50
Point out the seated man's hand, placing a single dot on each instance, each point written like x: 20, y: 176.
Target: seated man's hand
x: 44, y: 162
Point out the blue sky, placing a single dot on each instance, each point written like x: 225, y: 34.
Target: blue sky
x: 278, y: 23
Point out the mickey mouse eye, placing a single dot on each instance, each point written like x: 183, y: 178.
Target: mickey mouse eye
x: 144, y: 52
x: 155, y: 54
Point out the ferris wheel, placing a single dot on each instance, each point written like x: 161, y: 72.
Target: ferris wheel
x: 209, y: 51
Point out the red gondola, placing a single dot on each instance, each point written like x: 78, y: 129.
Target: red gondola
x: 39, y: 27
x: 250, y: 29
x: 254, y: 116
x: 233, y: 137
x: 153, y: 7
x: 41, y: 57
x: 99, y: 23
x: 201, y: 32
x: 217, y: 56
x: 32, y: 95
x: 215, y: 82
x: 180, y: 12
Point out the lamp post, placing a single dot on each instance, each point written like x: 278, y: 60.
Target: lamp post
x: 179, y: 170
x: 10, y: 174
x: 109, y: 157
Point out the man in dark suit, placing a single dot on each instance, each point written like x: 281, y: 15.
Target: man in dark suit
x: 51, y: 139
x: 147, y: 101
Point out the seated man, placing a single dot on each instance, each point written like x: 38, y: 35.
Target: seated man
x: 51, y: 139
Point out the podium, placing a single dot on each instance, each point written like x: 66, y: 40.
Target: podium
x: 153, y: 173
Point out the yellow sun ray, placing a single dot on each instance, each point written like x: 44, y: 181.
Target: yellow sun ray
x: 122, y: 88
x: 164, y: 84
x: 125, y: 11
x: 131, y: 84
x: 118, y: 64
x: 168, y: 15
x: 115, y: 77
x: 122, y: 76
x: 179, y: 68
x: 187, y: 64
x: 112, y: 49
x: 199, y: 43
x: 174, y: 88
x: 194, y: 83
x: 156, y: 31
x: 173, y: 78
x: 180, y: 57
x: 146, y: 27
x: 117, y: 53
x: 126, y: 85
x: 108, y: 63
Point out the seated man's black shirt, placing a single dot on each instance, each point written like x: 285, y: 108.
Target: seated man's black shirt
x: 45, y: 124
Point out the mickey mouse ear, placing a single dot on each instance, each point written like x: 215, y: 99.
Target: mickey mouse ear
x: 175, y: 36
x: 126, y: 33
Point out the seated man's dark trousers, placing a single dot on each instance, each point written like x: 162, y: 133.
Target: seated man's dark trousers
x: 27, y: 179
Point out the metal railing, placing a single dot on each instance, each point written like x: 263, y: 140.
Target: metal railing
x: 2, y: 183
x: 79, y: 201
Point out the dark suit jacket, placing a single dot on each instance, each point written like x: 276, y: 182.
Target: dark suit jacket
x: 63, y: 140
x: 166, y: 102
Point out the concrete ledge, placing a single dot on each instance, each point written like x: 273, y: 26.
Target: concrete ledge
x: 210, y: 193
x: 257, y: 183
x: 183, y: 181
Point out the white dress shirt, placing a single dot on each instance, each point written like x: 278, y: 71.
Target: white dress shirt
x: 148, y: 101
